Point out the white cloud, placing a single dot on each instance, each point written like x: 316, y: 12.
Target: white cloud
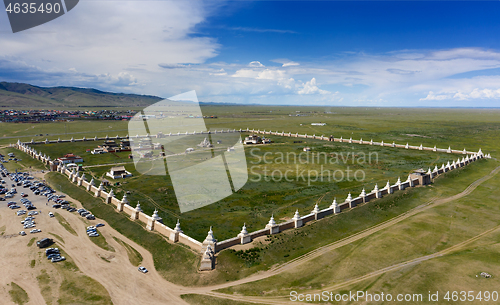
x: 147, y: 47
x: 285, y: 62
x: 477, y: 93
x: 121, y: 80
x: 255, y: 64
x: 221, y: 72
x: 460, y: 95
x: 287, y: 83
x: 485, y: 93
x: 435, y: 97
x: 289, y: 64
x: 311, y: 88
x: 101, y: 37
x: 271, y: 74
x: 246, y: 73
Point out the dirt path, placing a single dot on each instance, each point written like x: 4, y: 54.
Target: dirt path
x: 109, y: 164
x: 124, y: 283
x: 128, y: 286
x: 338, y: 287
x: 322, y: 250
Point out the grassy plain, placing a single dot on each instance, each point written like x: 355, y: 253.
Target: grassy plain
x: 65, y: 223
x: 330, y: 170
x: 196, y: 299
x: 64, y: 283
x: 18, y: 294
x: 428, y: 232
x: 422, y: 234
x: 101, y: 242
x: 134, y: 256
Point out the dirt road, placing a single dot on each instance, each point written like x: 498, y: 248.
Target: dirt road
x: 122, y: 280
x: 322, y: 250
x: 125, y: 284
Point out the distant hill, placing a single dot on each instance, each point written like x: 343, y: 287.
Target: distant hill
x: 17, y: 95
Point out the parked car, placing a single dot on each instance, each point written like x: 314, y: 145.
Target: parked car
x: 35, y: 231
x: 58, y: 259
x: 53, y: 255
x: 51, y: 251
x: 51, y: 214
x: 22, y: 233
x: 143, y: 269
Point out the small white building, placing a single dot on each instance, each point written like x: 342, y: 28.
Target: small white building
x: 252, y: 139
x: 306, y: 149
x: 97, y: 151
x: 205, y: 143
x: 118, y: 172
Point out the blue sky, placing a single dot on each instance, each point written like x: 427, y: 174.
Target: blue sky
x: 354, y: 53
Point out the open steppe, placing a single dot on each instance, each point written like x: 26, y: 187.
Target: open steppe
x: 437, y: 237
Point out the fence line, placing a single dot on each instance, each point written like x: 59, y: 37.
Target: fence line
x: 210, y: 245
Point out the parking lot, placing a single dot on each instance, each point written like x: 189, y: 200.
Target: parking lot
x: 30, y: 191
x: 122, y: 280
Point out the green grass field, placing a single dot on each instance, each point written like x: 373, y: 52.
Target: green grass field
x: 64, y: 283
x: 434, y: 230
x: 18, y: 294
x: 101, y: 242
x: 134, y: 256
x: 330, y: 170
x: 65, y: 223
x: 196, y: 299
x: 428, y: 232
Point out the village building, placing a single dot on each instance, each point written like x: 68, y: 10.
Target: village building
x: 118, y: 172
x: 422, y: 176
x: 109, y: 146
x: 205, y: 143
x: 70, y: 158
x: 252, y: 139
x: 125, y: 145
x: 97, y: 151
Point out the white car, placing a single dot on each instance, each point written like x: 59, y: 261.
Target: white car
x: 35, y: 231
x: 51, y: 214
x: 143, y: 269
x: 22, y: 233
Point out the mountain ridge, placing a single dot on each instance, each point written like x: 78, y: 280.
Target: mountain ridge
x: 26, y: 95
